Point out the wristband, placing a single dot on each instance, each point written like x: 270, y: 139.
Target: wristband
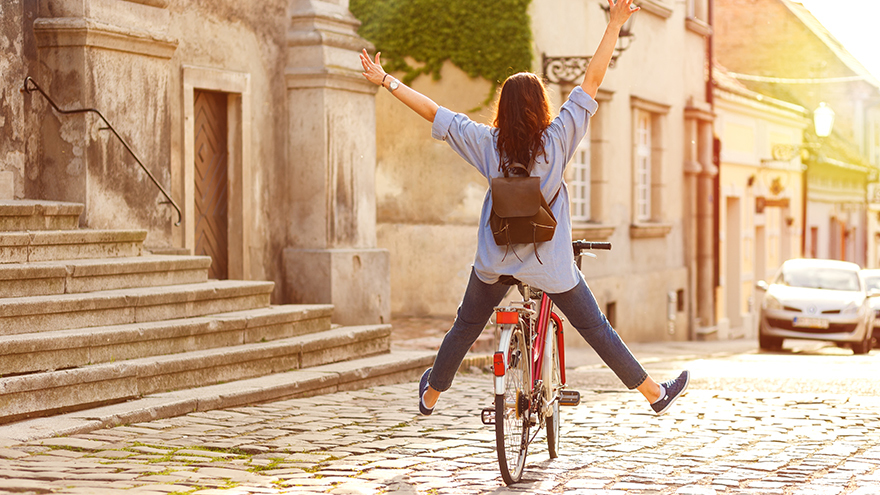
x: 383, y: 80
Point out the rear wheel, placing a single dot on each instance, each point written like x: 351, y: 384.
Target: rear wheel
x: 512, y: 410
x: 552, y: 377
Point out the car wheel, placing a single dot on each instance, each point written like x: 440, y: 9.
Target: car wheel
x: 864, y: 346
x: 769, y: 343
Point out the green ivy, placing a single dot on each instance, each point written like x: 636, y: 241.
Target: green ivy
x: 490, y: 39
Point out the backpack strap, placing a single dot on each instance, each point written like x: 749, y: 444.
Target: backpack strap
x: 522, y: 170
x: 555, y: 195
x: 550, y: 204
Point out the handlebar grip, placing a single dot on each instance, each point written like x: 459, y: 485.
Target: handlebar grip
x: 585, y: 245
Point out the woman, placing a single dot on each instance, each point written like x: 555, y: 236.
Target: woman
x: 524, y: 133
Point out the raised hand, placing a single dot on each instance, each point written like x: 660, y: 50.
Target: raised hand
x: 418, y: 102
x: 373, y: 70
x: 620, y: 11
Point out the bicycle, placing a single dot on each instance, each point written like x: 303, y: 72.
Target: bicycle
x: 529, y: 369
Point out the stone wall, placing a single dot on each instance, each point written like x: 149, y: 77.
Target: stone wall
x: 19, y: 136
x: 237, y: 41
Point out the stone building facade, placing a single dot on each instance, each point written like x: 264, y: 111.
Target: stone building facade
x: 761, y: 197
x: 339, y: 194
x: 252, y: 115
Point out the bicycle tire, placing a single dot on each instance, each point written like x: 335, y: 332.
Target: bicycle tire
x: 512, y: 410
x: 552, y: 378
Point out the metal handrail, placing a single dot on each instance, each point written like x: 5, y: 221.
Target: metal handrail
x: 30, y: 86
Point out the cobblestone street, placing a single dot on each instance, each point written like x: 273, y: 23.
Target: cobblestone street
x: 373, y: 441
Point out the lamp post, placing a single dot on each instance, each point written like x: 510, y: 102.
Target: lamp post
x: 571, y: 69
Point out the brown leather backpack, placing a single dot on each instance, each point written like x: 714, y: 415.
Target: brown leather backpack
x: 520, y: 214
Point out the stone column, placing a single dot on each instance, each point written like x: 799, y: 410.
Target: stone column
x: 700, y: 172
x: 331, y: 138
x: 706, y: 229
x: 692, y: 169
x: 114, y: 57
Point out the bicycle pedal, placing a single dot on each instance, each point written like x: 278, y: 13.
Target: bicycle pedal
x: 487, y: 416
x: 569, y: 398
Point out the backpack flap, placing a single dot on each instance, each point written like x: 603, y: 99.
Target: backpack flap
x: 516, y: 196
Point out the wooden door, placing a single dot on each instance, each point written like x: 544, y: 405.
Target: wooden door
x: 211, y: 199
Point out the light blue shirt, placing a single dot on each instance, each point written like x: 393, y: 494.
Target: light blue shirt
x: 477, y: 144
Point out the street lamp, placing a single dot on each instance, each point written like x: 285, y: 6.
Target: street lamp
x: 823, y: 121
x: 572, y: 69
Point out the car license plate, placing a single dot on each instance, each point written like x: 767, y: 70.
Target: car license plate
x: 807, y: 322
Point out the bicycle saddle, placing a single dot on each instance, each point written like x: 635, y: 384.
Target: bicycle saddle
x: 509, y: 280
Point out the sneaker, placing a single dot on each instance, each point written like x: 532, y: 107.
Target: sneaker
x: 423, y: 386
x: 674, y: 389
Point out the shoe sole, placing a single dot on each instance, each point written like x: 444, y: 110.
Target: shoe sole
x: 687, y: 382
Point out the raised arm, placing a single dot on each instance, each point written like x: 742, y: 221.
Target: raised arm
x: 620, y: 12
x: 420, y: 103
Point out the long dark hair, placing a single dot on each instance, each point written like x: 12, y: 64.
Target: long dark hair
x: 521, y: 116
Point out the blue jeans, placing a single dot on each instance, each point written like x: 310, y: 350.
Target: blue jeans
x: 578, y: 305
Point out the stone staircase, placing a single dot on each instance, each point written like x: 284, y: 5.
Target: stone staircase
x: 89, y: 318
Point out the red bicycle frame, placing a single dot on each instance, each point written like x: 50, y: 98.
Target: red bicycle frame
x: 545, y: 314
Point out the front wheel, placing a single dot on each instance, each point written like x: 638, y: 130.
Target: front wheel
x: 865, y: 345
x: 552, y: 378
x: 512, y: 410
x: 772, y: 344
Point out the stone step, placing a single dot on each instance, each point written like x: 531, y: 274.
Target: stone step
x: 22, y: 215
x: 91, y: 275
x: 59, y: 391
x: 24, y: 247
x: 383, y: 369
x: 117, y: 307
x: 47, y: 351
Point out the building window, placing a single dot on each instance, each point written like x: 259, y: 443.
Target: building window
x: 648, y: 157
x: 580, y: 183
x: 697, y: 19
x: 697, y: 9
x: 643, y: 167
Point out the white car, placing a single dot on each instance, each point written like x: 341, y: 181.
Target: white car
x: 813, y: 299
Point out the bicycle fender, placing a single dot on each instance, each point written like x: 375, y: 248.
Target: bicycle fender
x: 503, y: 344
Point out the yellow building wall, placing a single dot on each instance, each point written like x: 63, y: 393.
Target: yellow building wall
x: 754, y: 243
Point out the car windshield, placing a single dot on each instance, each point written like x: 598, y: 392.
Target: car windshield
x: 820, y: 278
x: 872, y: 283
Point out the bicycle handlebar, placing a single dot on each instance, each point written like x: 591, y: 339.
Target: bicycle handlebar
x: 579, y: 246
x: 586, y: 245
